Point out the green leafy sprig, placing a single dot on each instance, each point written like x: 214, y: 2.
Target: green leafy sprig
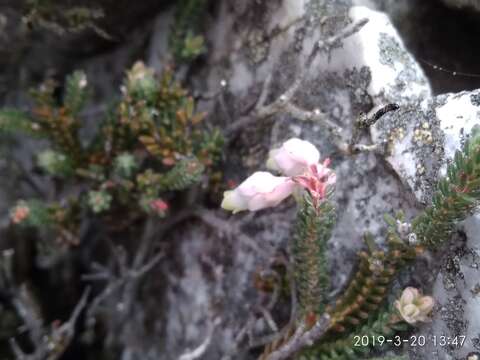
x: 312, y: 230
x: 457, y: 196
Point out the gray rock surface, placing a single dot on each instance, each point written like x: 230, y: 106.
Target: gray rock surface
x: 372, y: 68
x: 456, y: 289
x: 439, y: 36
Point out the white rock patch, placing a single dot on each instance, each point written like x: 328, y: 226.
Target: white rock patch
x: 457, y: 117
x: 378, y: 46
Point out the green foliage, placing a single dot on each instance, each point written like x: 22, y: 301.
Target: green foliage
x: 40, y: 215
x: 142, y: 86
x: 99, y: 201
x: 56, y: 16
x: 457, y: 196
x: 55, y: 163
x: 312, y: 230
x: 75, y: 92
x: 31, y: 213
x: 185, y: 42
x: 361, y: 307
x: 58, y: 122
x: 161, y: 115
x: 151, y: 142
x: 125, y: 165
x: 183, y: 175
x: 385, y: 322
x: 369, y: 285
x: 194, y: 45
x: 16, y: 121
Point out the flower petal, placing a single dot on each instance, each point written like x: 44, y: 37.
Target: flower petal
x: 234, y: 201
x: 271, y: 162
x: 273, y: 198
x: 259, y: 182
x: 425, y: 304
x: 302, y: 151
x: 409, y: 295
x: 259, y: 191
x: 293, y: 157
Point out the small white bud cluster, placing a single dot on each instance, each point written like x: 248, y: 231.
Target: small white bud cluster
x: 413, y: 306
x: 404, y: 229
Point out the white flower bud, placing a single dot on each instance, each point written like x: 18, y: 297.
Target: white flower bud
x: 294, y: 157
x: 261, y: 190
x: 414, y: 307
x: 82, y: 82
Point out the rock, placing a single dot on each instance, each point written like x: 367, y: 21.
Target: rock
x: 396, y: 76
x: 418, y: 23
x: 456, y: 292
x: 358, y: 76
x: 423, y: 138
x: 208, y: 276
x: 216, y: 285
x: 457, y: 113
x: 429, y: 138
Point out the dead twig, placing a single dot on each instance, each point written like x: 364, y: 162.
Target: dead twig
x: 302, y: 338
x: 281, y: 104
x: 202, y: 348
x: 284, y: 103
x: 48, y: 344
x: 124, y: 278
x: 230, y: 229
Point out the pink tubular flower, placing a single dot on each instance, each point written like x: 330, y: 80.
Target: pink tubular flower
x: 294, y: 157
x: 317, y: 180
x: 413, y: 307
x: 19, y: 213
x: 298, y: 160
x: 159, y: 206
x: 261, y: 190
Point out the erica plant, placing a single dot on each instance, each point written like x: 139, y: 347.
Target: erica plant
x: 323, y: 328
